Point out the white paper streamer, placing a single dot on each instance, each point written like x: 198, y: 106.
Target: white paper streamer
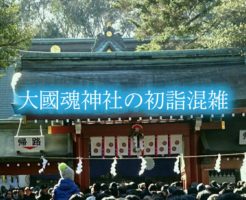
x: 182, y: 167
x: 79, y: 166
x: 143, y: 166
x: 113, y: 167
x: 243, y: 169
x: 217, y: 163
x: 44, y: 163
x: 176, y: 165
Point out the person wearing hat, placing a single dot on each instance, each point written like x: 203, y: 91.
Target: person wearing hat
x: 66, y: 186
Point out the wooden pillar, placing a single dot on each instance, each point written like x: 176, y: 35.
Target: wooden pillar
x: 85, y: 179
x: 81, y: 142
x: 194, y: 161
x: 188, y: 169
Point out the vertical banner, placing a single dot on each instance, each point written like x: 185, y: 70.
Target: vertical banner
x: 132, y: 146
x: 176, y: 144
x: 96, y: 146
x: 109, y: 146
x: 162, y: 144
x: 149, y: 145
x: 122, y: 146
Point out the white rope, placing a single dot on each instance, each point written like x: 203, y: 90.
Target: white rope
x: 18, y: 130
x: 129, y: 158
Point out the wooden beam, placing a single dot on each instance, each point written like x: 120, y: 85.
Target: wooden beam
x: 60, y: 129
x: 216, y: 125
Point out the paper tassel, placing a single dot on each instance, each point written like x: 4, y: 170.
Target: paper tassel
x: 113, y: 167
x: 79, y: 166
x: 217, y: 164
x: 182, y: 168
x: 143, y: 166
x: 243, y: 169
x: 44, y: 163
x: 176, y: 165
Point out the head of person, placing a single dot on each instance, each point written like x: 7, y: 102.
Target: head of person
x: 230, y: 196
x: 96, y: 187
x: 15, y: 194
x: 44, y: 189
x: 77, y: 197
x: 21, y: 192
x: 152, y: 188
x: 65, y: 171
x: 132, y: 197
x: 9, y: 195
x: 27, y: 191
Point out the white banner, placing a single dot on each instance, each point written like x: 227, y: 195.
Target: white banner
x: 122, y: 145
x: 109, y: 146
x: 176, y: 144
x: 162, y: 144
x: 149, y: 145
x: 96, y: 146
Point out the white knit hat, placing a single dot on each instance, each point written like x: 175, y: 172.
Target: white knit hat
x: 65, y: 171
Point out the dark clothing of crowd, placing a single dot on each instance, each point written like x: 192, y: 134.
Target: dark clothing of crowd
x: 132, y: 191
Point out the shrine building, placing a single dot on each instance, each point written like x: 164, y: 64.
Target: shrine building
x: 97, y: 99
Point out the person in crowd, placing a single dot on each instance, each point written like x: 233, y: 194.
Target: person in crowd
x: 95, y: 192
x: 203, y: 195
x: 15, y: 194
x: 28, y: 194
x: 213, y: 197
x: 79, y: 196
x: 9, y: 195
x: 230, y: 196
x: 20, y: 193
x: 113, y: 188
x: 132, y: 197
x: 66, y: 186
x: 122, y: 190
x: 43, y: 193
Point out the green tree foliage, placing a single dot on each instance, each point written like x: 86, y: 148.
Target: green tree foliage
x: 231, y: 25
x: 13, y: 36
x: 181, y: 24
x: 38, y: 13
x: 73, y: 18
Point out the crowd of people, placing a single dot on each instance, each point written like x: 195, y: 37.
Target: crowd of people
x: 66, y: 189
